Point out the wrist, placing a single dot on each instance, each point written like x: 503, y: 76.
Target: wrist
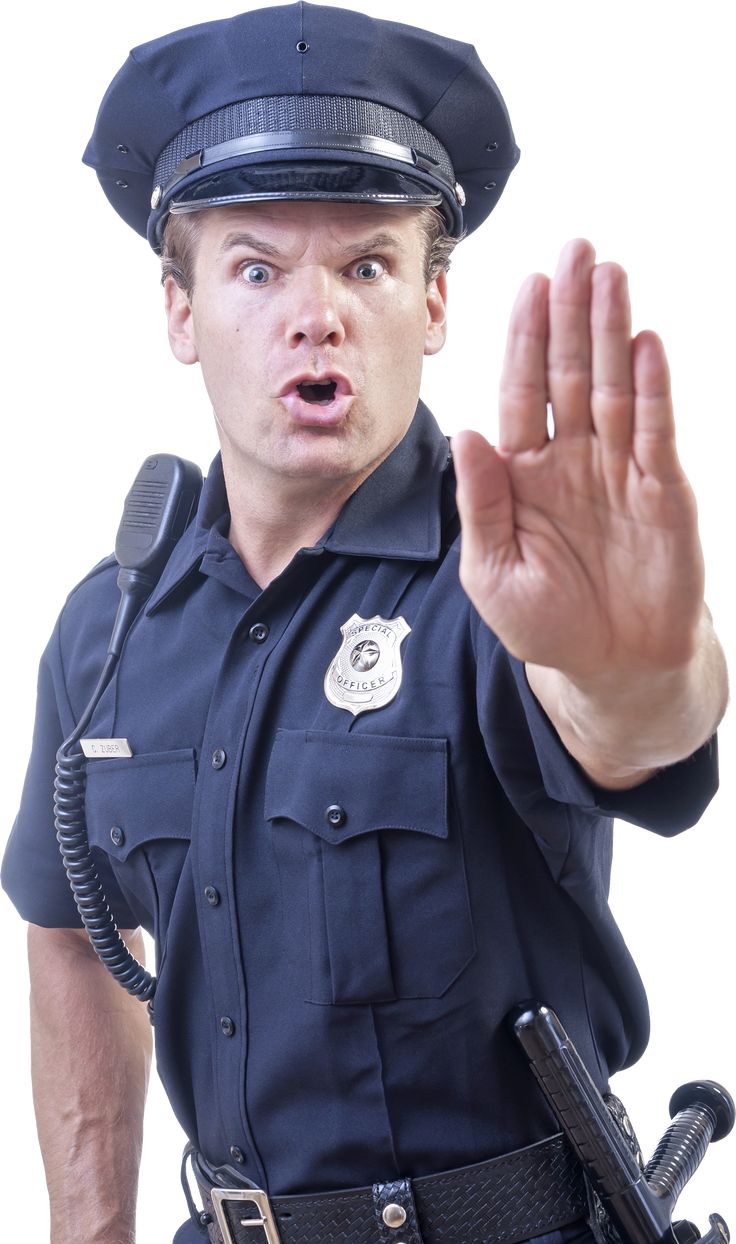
x: 93, y: 1231
x: 623, y: 725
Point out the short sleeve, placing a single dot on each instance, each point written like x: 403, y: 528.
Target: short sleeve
x: 33, y: 874
x: 671, y: 801
x: 541, y: 778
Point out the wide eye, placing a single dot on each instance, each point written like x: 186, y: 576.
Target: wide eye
x: 255, y: 273
x: 368, y: 269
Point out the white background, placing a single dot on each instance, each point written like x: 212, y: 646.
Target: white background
x: 625, y: 114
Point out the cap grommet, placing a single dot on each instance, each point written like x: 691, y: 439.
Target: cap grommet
x: 156, y: 196
x: 122, y: 149
x: 302, y: 46
x: 490, y: 185
x: 123, y: 185
x: 491, y: 146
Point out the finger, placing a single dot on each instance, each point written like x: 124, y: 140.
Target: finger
x: 612, y: 392
x: 484, y: 500
x: 569, y: 352
x: 523, y: 394
x: 654, y: 445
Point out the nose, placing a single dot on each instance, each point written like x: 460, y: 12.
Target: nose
x: 315, y: 313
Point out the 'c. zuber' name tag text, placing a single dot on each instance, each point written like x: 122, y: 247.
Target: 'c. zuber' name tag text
x: 104, y: 749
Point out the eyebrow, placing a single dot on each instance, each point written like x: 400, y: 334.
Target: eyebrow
x: 378, y: 242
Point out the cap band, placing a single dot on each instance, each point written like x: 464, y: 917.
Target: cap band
x: 276, y: 114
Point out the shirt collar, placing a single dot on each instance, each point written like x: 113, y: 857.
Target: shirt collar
x: 396, y: 512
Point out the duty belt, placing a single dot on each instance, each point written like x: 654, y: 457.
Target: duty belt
x: 502, y: 1201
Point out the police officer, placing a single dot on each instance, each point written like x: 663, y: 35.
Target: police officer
x: 346, y: 774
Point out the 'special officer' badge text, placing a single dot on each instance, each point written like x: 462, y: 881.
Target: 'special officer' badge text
x: 366, y: 672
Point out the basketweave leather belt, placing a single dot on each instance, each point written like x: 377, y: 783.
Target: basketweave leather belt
x: 502, y: 1201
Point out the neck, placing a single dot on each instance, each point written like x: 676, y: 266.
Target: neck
x: 268, y: 525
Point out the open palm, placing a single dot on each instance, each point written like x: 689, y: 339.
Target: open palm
x: 581, y: 550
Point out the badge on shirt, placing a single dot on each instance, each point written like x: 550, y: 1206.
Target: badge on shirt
x: 366, y: 672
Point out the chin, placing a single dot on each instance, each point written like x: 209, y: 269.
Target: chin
x: 322, y: 468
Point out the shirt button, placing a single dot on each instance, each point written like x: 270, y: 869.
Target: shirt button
x: 219, y: 756
x: 227, y: 1026
x: 212, y: 895
x: 258, y: 633
x: 335, y: 815
x: 117, y: 835
x: 237, y: 1155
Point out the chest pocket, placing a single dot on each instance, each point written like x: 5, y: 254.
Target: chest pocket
x: 139, y: 812
x: 375, y: 893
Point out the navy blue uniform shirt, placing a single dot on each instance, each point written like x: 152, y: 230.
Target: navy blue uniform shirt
x: 331, y: 995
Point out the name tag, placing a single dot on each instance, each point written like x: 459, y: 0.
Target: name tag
x: 103, y: 749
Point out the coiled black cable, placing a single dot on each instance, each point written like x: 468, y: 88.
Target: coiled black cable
x: 71, y: 834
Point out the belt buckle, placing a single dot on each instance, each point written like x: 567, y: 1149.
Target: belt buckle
x: 258, y: 1198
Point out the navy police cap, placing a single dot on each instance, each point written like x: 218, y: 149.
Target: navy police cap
x: 301, y: 101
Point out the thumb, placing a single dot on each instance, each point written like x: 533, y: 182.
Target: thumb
x: 484, y: 500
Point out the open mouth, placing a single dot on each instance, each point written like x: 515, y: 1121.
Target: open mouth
x: 317, y: 394
x: 317, y: 401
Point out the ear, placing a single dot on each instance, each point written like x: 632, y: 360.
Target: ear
x: 436, y: 332
x: 181, y: 325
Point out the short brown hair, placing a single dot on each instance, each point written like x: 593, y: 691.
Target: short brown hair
x: 178, y: 247
x: 439, y: 242
x: 179, y: 244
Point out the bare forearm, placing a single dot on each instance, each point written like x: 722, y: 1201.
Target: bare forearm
x: 623, y: 729
x: 91, y: 1048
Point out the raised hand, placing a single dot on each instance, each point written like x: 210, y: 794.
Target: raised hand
x: 581, y: 550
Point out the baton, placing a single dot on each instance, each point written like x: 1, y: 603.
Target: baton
x: 639, y: 1203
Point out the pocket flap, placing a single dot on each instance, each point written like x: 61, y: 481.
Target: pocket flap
x: 369, y: 782
x: 134, y: 800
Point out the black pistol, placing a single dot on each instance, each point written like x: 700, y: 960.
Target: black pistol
x: 639, y: 1203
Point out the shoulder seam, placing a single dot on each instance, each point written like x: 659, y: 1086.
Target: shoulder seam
x: 105, y: 564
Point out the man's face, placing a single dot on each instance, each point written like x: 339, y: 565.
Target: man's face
x: 291, y: 293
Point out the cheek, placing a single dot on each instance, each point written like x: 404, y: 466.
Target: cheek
x: 399, y: 340
x: 230, y: 353
x: 225, y: 377
x: 397, y: 322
